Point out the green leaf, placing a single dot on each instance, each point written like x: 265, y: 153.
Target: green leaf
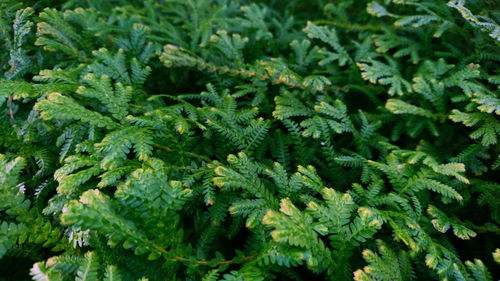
x: 88, y: 270
x: 385, y: 74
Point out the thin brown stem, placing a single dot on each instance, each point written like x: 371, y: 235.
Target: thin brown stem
x: 222, y: 262
x: 11, y: 111
x: 350, y: 26
x: 193, y: 155
x: 206, y: 262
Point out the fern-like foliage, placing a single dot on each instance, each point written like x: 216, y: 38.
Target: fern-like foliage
x: 239, y: 140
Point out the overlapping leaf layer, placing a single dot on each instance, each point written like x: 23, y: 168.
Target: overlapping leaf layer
x: 249, y: 140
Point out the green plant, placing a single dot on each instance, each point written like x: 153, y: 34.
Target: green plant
x: 249, y: 140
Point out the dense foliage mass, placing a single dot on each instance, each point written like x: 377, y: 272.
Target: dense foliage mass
x: 249, y: 140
